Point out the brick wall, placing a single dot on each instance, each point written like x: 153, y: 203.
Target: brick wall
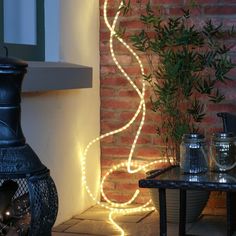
x: 119, y: 101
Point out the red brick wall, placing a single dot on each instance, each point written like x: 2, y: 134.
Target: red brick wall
x: 119, y: 101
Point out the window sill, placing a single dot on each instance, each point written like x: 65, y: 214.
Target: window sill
x: 45, y: 76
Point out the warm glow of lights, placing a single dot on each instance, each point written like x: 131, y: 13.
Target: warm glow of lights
x: 7, y: 213
x: 113, y: 206
x: 115, y: 224
x: 141, y: 95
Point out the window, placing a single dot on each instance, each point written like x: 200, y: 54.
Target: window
x: 22, y: 28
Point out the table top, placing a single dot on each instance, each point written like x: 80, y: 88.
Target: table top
x: 173, y: 178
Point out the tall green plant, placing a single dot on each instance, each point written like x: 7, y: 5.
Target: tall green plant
x: 185, y: 63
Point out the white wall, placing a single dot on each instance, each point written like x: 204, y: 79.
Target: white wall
x: 59, y: 124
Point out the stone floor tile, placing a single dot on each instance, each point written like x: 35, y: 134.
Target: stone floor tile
x: 148, y: 225
x: 209, y: 225
x: 69, y: 234
x: 93, y: 227
x: 138, y: 229
x: 153, y: 217
x: 94, y: 213
x: 128, y: 219
x: 101, y: 214
x: 60, y: 228
x: 149, y: 229
x: 131, y: 217
x: 70, y: 222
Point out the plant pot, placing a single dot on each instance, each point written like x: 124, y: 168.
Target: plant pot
x: 196, y: 201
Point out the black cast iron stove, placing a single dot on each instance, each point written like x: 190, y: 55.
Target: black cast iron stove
x: 28, y: 196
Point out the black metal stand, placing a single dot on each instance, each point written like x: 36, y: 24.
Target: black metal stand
x: 182, y: 212
x: 231, y: 214
x: 162, y: 202
x: 174, y: 179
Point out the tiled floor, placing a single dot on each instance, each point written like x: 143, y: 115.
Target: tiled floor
x: 94, y: 222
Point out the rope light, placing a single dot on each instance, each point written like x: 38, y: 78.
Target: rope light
x: 114, y: 207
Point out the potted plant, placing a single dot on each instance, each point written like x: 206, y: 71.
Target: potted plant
x: 186, y: 64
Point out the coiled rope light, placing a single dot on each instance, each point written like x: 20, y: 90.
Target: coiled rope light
x: 129, y: 164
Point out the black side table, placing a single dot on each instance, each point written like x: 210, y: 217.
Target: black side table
x: 172, y: 178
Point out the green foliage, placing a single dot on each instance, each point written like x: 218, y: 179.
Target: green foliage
x: 125, y: 8
x: 191, y: 61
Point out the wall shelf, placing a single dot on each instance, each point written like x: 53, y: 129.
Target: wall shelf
x: 45, y: 76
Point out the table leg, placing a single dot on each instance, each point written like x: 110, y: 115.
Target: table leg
x: 162, y: 207
x: 231, y: 213
x: 182, y: 212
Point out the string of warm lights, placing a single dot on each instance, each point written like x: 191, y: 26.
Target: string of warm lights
x: 141, y: 95
x: 115, y: 224
x: 131, y: 166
